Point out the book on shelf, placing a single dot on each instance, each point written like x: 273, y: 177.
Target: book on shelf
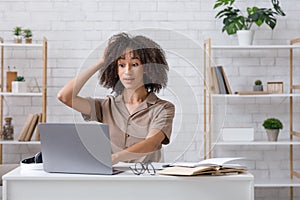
x: 25, y: 127
x: 213, y: 166
x: 215, y: 81
x: 221, y: 81
x: 226, y: 81
x: 211, y: 81
x: 29, y: 127
x: 218, y: 81
x: 32, y: 127
x: 37, y: 132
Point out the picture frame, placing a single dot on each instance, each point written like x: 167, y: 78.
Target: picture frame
x: 275, y: 87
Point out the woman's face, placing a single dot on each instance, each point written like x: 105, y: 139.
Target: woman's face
x: 130, y: 71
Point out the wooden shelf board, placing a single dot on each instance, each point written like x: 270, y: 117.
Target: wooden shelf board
x: 21, y: 45
x: 255, y: 47
x: 282, y: 182
x: 18, y: 142
x: 266, y: 143
x: 21, y: 94
x: 255, y: 95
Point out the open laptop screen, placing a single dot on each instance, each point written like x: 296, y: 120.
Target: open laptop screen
x: 76, y: 148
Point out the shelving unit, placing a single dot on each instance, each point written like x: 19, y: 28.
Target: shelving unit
x: 208, y: 117
x: 43, y: 94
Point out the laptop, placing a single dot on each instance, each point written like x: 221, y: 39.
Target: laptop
x: 82, y: 148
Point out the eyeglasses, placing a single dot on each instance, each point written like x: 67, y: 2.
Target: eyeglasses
x: 140, y: 168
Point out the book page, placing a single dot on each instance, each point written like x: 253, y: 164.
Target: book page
x: 187, y: 171
x: 207, y: 162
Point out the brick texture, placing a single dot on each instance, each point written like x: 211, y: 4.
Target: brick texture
x: 79, y: 29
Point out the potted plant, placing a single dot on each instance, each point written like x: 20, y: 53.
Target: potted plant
x: 236, y: 21
x: 258, y: 86
x: 19, y: 85
x: 272, y: 126
x: 27, y: 35
x: 17, y: 34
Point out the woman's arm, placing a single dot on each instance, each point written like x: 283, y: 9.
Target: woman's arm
x: 69, y: 93
x: 147, y: 146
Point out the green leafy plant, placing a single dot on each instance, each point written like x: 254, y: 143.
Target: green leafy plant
x: 17, y: 31
x: 272, y: 123
x: 27, y: 33
x: 234, y: 19
x: 20, y: 78
x: 258, y: 82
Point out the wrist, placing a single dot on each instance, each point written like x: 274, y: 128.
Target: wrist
x: 115, y: 158
x: 99, y: 64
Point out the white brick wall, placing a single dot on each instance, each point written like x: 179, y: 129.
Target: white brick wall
x: 75, y: 27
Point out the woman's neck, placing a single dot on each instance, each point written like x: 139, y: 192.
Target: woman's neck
x: 135, y: 96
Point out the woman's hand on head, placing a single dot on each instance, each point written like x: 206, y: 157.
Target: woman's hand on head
x: 100, y: 62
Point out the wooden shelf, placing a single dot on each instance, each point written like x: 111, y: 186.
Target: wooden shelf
x: 255, y: 47
x: 280, y: 182
x: 209, y: 115
x: 255, y: 95
x: 21, y: 94
x: 257, y: 143
x: 20, y: 45
x: 43, y: 47
x: 18, y: 142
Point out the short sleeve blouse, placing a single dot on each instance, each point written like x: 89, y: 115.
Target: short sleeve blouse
x: 127, y: 129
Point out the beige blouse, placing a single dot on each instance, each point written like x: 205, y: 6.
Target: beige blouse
x: 126, y: 129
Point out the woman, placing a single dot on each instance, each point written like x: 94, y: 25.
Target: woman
x: 139, y: 122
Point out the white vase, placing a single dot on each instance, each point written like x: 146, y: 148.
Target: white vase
x: 19, y: 86
x: 245, y: 37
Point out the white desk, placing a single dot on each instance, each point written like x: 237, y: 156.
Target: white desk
x: 37, y: 184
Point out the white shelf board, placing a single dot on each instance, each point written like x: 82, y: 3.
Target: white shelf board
x: 21, y: 94
x: 255, y: 95
x: 18, y: 142
x: 252, y: 143
x: 282, y: 182
x: 20, y: 45
x: 255, y: 47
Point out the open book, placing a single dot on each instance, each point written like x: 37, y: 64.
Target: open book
x: 213, y: 166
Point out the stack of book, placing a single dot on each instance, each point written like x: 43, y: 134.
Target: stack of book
x: 30, y: 126
x: 218, y: 82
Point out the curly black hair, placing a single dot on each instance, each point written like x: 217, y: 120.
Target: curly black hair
x: 151, y: 55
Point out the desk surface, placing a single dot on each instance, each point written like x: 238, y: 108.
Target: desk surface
x: 40, y: 174
x: 126, y: 186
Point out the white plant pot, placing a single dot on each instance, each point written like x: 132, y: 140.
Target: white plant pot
x: 19, y: 86
x: 245, y: 37
x: 18, y: 39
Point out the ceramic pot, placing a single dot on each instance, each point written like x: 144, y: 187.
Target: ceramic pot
x: 19, y: 86
x: 258, y: 88
x: 245, y: 37
x: 28, y: 40
x: 272, y: 134
x: 18, y: 39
